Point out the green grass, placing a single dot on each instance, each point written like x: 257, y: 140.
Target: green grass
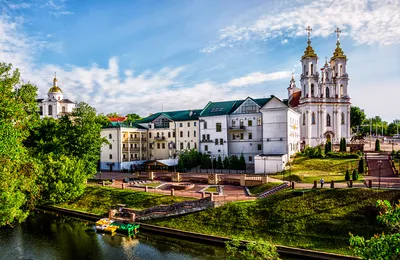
x: 98, y: 200
x: 263, y: 187
x: 319, y: 220
x: 212, y: 189
x: 152, y: 184
x: 307, y: 170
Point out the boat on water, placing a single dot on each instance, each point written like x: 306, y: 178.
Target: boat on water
x: 110, y: 226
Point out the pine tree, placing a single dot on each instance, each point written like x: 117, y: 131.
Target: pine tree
x: 344, y: 145
x: 355, y: 175
x: 377, y: 145
x: 341, y: 145
x: 226, y: 162
x: 347, y: 176
x: 242, y: 162
x: 219, y: 163
x: 361, y: 165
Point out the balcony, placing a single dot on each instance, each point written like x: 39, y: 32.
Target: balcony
x: 125, y: 140
x: 132, y: 139
x: 239, y: 128
x: 159, y: 138
x: 206, y: 141
x: 125, y: 149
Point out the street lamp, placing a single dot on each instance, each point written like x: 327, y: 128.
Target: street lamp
x: 379, y: 165
x: 100, y: 175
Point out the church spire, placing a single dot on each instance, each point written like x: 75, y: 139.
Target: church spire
x: 309, y: 52
x: 55, y: 87
x: 338, y: 53
x: 55, y: 81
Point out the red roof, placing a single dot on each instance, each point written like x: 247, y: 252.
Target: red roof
x: 295, y: 99
x: 117, y: 119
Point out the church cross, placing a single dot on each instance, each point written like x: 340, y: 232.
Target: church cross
x: 309, y: 30
x: 338, y: 31
x: 326, y: 59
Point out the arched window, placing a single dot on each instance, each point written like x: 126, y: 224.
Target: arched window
x: 328, y: 120
x: 312, y: 90
x: 313, y: 118
x: 304, y: 118
x: 312, y: 69
x: 341, y: 90
x: 340, y: 70
x: 63, y: 109
x: 327, y: 92
x: 50, y: 110
x: 342, y: 118
x: 304, y: 69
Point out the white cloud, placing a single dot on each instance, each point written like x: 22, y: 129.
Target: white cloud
x: 365, y: 21
x: 19, y: 6
x: 61, y: 13
x: 284, y: 41
x: 257, y: 78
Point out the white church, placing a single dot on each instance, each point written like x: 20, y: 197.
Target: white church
x: 323, y: 100
x: 55, y: 105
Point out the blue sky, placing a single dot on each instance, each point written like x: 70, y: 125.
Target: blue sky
x: 144, y: 56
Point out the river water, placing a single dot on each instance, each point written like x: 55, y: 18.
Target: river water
x: 54, y: 236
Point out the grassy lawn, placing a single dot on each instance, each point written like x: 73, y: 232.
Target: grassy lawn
x: 152, y: 184
x: 255, y: 190
x: 320, y: 219
x: 307, y: 170
x: 212, y: 189
x: 98, y: 200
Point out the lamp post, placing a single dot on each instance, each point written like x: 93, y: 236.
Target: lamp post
x: 100, y: 175
x: 379, y: 181
x: 212, y: 162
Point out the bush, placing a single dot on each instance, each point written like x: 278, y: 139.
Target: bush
x: 260, y: 249
x: 342, y: 145
x: 313, y: 152
x: 377, y: 145
x: 361, y: 165
x: 355, y: 175
x: 328, y: 147
x: 342, y: 155
x: 347, y: 176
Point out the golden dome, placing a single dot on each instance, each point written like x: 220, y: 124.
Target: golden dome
x: 309, y: 52
x: 55, y: 87
x: 338, y: 54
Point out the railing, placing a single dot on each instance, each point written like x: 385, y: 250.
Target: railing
x: 125, y: 149
x: 206, y: 141
x: 237, y: 128
x: 159, y: 138
x: 134, y: 139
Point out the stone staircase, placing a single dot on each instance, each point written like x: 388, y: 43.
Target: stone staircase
x: 273, y: 190
x: 379, y: 165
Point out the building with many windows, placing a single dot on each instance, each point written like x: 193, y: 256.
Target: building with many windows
x: 55, y: 105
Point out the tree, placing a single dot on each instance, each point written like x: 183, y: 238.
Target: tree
x: 343, y: 145
x: 328, y: 147
x: 354, y: 175
x: 254, y: 250
x: 131, y: 118
x: 226, y: 162
x: 113, y: 114
x: 384, y: 246
x: 103, y: 120
x: 361, y: 165
x: 234, y: 162
x: 347, y: 176
x: 357, y: 116
x: 242, y: 162
x: 377, y: 145
x: 214, y: 163
x: 18, y: 115
x: 220, y: 165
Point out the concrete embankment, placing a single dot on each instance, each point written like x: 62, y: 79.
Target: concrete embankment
x: 290, y: 251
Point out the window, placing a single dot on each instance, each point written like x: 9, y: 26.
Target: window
x: 304, y: 69
x: 233, y: 136
x: 50, y: 110
x: 169, y: 134
x: 340, y: 70
x: 216, y: 141
x: 342, y: 118
x: 110, y: 146
x: 259, y: 147
x: 194, y: 133
x: 250, y: 123
x: 312, y: 69
x: 161, y: 122
x: 327, y: 92
x: 163, y: 145
x: 341, y: 90
x: 205, y: 125
x: 312, y: 90
x: 194, y: 123
x: 151, y: 146
x: 250, y: 135
x: 123, y: 146
x: 110, y: 156
x: 124, y: 156
x: 206, y: 148
x: 313, y: 118
x: 62, y: 109
x: 208, y: 136
x: 188, y: 133
x: 158, y: 134
x: 131, y: 155
x: 328, y: 120
x: 241, y: 123
x: 188, y: 124
x: 158, y: 145
x: 241, y: 136
x: 173, y: 134
x: 259, y: 122
x: 204, y: 137
x: 221, y: 141
x: 195, y: 145
x: 135, y: 155
x: 181, y: 133
x: 162, y: 134
x: 180, y: 124
x: 181, y: 146
x: 149, y: 135
x: 304, y: 118
x: 109, y: 136
x: 188, y: 146
x: 219, y: 127
x: 247, y: 107
x: 233, y: 122
x: 250, y: 158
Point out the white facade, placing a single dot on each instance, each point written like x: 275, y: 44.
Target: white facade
x: 214, y: 135
x: 270, y: 163
x: 324, y: 102
x: 55, y: 105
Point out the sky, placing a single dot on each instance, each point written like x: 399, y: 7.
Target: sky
x: 143, y: 57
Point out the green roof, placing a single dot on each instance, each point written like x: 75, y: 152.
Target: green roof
x: 228, y: 107
x: 181, y: 115
x: 120, y: 124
